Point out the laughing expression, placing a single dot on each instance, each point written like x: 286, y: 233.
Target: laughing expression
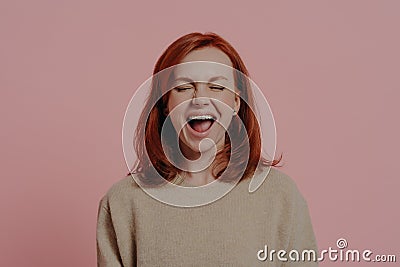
x: 202, y: 102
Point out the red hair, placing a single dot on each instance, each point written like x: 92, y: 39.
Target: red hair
x: 148, y: 132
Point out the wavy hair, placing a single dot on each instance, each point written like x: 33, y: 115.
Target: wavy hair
x: 147, y: 141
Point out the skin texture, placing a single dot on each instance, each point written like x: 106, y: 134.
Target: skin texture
x: 205, y: 90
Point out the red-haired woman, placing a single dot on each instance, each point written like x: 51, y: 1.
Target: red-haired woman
x: 198, y: 128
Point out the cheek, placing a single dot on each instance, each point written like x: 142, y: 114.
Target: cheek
x: 228, y: 100
x: 173, y: 101
x: 175, y: 106
x: 176, y: 110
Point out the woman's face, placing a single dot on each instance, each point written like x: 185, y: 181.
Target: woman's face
x: 203, y: 101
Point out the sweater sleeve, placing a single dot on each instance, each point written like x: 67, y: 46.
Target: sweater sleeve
x: 107, y: 248
x: 302, y: 237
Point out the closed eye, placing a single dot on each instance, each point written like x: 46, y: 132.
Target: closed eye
x: 217, y: 87
x: 183, y: 88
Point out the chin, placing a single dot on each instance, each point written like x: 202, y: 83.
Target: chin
x: 195, y: 147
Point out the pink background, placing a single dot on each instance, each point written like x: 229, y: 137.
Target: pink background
x: 69, y: 68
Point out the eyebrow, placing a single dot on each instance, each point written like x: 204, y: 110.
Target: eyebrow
x: 212, y: 79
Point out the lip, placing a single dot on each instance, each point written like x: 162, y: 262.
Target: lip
x: 201, y: 117
x: 202, y: 113
x: 198, y: 134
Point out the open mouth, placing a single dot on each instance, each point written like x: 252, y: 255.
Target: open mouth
x: 201, y: 123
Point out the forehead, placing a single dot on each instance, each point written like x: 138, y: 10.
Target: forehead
x: 208, y: 54
x: 213, y: 63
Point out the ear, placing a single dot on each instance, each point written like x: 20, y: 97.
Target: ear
x: 236, y: 106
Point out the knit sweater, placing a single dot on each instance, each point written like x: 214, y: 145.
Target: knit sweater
x: 133, y: 229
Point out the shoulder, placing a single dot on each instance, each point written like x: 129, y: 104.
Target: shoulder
x: 281, y: 200
x: 276, y: 180
x: 280, y: 188
x: 122, y: 186
x: 122, y: 193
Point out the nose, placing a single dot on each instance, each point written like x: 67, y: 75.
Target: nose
x: 200, y: 95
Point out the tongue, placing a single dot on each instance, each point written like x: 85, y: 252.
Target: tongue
x: 201, y: 126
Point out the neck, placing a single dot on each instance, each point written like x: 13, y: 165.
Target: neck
x: 198, y: 166
x: 199, y: 178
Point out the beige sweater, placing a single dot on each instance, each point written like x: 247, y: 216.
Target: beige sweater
x: 133, y: 229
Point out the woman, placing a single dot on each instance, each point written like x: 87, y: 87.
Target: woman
x: 198, y: 129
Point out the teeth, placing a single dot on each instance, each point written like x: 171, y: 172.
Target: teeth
x: 201, y: 117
